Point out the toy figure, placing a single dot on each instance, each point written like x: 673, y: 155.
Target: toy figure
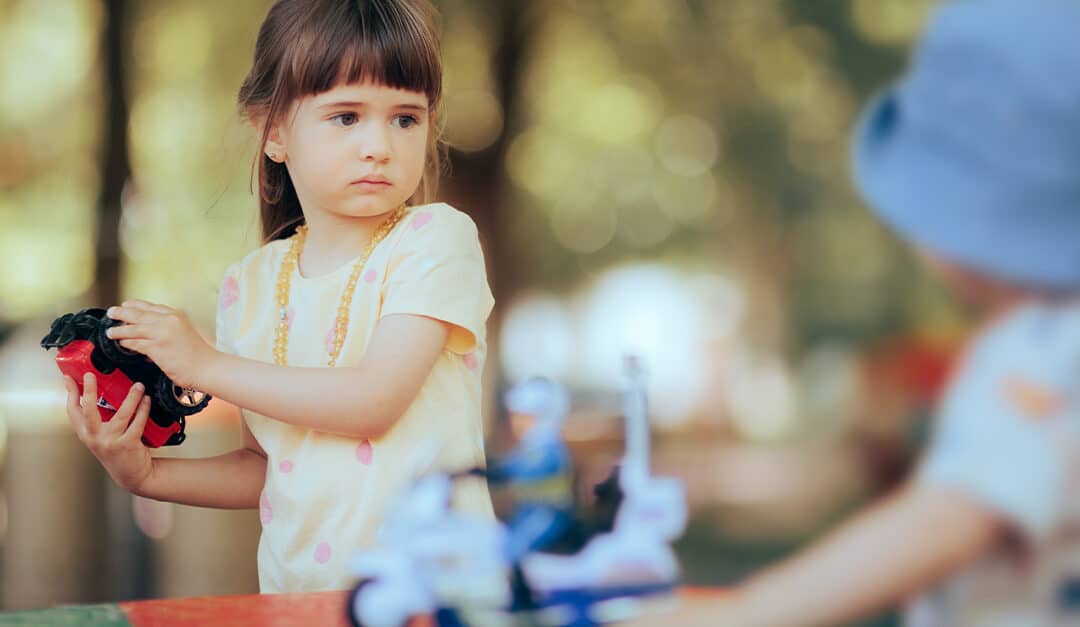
x: 538, y: 472
x: 84, y: 347
x: 619, y: 574
x: 460, y: 570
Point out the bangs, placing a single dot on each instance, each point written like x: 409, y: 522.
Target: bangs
x: 386, y: 43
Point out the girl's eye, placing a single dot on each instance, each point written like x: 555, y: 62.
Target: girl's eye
x: 344, y: 119
x: 406, y: 121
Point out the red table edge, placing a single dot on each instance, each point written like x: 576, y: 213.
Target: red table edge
x: 312, y: 608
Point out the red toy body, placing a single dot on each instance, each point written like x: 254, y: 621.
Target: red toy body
x: 84, y: 346
x: 74, y: 361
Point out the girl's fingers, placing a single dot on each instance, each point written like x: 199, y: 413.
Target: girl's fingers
x: 124, y: 314
x: 135, y: 429
x: 126, y: 331
x: 89, y: 403
x: 143, y: 305
x: 137, y: 315
x: 139, y: 346
x: 74, y: 408
x: 126, y: 410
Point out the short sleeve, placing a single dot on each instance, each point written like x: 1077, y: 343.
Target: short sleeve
x: 228, y: 298
x: 1005, y: 429
x: 437, y: 270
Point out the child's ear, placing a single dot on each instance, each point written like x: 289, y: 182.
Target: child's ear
x: 275, y: 145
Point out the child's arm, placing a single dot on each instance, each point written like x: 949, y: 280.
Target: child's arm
x: 880, y: 559
x: 233, y: 480
x: 364, y: 401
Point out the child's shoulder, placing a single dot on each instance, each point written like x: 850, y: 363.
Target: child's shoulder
x: 442, y: 215
x: 1039, y: 330
x: 440, y: 222
x: 262, y: 259
x: 1039, y: 321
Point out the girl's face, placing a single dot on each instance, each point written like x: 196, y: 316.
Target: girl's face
x: 354, y: 151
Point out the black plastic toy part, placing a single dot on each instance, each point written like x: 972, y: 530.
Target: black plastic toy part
x: 170, y: 403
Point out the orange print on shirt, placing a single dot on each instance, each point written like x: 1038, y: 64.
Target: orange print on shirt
x: 1031, y: 399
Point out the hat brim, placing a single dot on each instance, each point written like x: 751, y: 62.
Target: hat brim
x: 956, y: 206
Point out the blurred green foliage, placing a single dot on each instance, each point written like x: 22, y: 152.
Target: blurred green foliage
x: 697, y: 133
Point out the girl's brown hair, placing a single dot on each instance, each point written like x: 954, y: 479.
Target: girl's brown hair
x: 306, y: 47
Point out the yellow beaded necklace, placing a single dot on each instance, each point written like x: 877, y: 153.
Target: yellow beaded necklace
x: 341, y: 323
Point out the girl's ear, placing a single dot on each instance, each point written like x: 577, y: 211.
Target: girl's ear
x: 275, y: 145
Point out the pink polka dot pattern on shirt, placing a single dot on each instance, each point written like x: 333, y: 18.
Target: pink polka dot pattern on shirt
x: 230, y: 292
x: 322, y: 553
x: 290, y: 315
x: 364, y: 452
x: 286, y: 466
x: 266, y: 513
x: 471, y: 361
x: 330, y: 335
x: 370, y: 276
x: 420, y: 220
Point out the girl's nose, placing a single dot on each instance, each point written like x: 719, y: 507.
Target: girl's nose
x: 375, y: 144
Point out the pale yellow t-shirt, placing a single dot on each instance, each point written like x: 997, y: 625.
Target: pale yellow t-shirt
x: 325, y: 495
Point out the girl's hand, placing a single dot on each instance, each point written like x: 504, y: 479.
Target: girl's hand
x: 165, y: 335
x: 117, y: 443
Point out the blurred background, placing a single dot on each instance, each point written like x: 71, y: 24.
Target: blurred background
x: 660, y: 177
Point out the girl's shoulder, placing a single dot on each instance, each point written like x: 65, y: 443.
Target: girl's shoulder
x: 259, y: 261
x: 440, y: 214
x: 438, y: 217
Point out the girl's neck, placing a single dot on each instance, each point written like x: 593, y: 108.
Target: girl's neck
x: 333, y: 241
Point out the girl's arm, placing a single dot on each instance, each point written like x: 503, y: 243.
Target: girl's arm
x: 233, y: 480
x: 364, y: 401
x: 880, y: 559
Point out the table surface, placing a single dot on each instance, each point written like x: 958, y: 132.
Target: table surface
x: 308, y: 609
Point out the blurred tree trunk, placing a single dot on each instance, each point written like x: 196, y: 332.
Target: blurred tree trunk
x: 129, y: 574
x: 477, y: 182
x: 115, y: 165
x: 478, y: 185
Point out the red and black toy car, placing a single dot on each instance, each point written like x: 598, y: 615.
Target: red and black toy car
x: 84, y: 347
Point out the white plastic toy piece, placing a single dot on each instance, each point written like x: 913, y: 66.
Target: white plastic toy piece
x: 634, y: 469
x: 430, y: 558
x: 653, y: 505
x: 636, y: 555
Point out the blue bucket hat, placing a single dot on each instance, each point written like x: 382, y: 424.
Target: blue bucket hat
x: 974, y: 155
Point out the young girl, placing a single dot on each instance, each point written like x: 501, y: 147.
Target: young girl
x: 974, y: 158
x: 353, y: 339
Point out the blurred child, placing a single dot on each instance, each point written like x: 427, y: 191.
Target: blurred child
x: 974, y: 158
x: 353, y: 339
